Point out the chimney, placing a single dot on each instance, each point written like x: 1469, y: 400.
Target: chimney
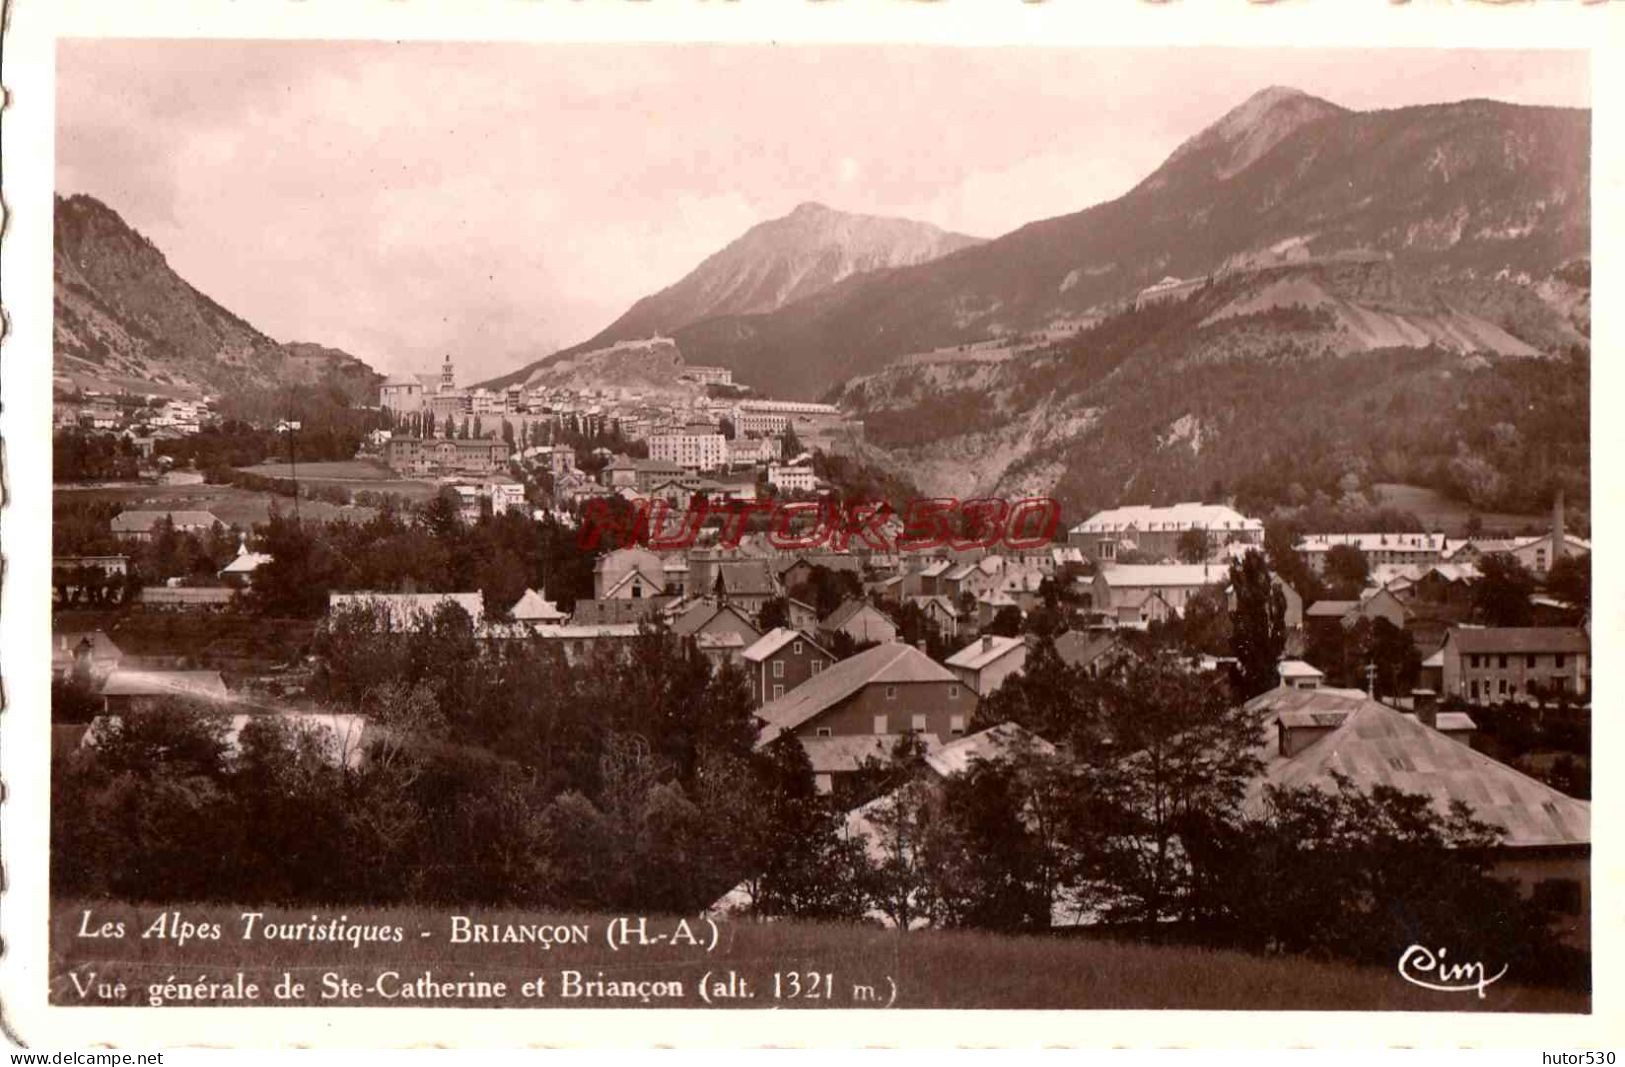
x: 1559, y: 536
x: 1425, y: 702
x: 987, y: 643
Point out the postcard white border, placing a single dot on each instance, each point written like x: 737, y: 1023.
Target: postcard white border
x: 25, y: 531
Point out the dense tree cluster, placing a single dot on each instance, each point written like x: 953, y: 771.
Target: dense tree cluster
x: 489, y: 774
x: 499, y: 555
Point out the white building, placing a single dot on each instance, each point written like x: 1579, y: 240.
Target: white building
x: 691, y: 451
x: 1377, y: 548
x: 710, y: 375
x: 402, y: 394
x: 791, y: 479
x: 1155, y: 531
x: 760, y: 423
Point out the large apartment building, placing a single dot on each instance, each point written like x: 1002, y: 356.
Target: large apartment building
x: 1401, y: 549
x: 691, y: 451
x: 438, y: 455
x: 1154, y: 532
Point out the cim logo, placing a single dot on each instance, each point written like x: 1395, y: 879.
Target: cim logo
x: 936, y: 522
x: 1421, y: 967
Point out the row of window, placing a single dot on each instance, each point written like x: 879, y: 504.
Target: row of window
x: 1529, y: 661
x: 917, y: 724
x: 1503, y: 688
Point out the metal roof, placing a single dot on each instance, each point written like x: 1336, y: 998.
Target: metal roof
x: 1378, y: 745
x: 888, y: 664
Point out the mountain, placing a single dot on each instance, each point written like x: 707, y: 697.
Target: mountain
x: 651, y: 367
x: 1470, y: 200
x: 1281, y: 387
x: 774, y: 264
x: 125, y: 320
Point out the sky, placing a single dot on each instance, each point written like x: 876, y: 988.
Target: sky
x: 499, y: 201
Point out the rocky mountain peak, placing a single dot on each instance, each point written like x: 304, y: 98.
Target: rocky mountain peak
x: 1251, y: 128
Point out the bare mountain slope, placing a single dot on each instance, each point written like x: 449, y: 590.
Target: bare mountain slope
x: 1471, y: 194
x: 773, y: 264
x: 123, y: 317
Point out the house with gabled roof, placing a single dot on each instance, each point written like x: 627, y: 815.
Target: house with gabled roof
x: 986, y: 662
x: 1497, y: 664
x: 748, y: 583
x: 1093, y: 651
x: 137, y: 525
x: 859, y: 620
x: 243, y: 566
x: 889, y: 689
x: 1312, y: 736
x: 925, y: 581
x: 633, y: 573
x: 719, y: 629
x: 802, y: 615
x: 989, y: 604
x: 940, y: 610
x: 1124, y: 590
x: 782, y: 659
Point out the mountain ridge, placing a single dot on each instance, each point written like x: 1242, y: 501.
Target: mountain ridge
x: 1465, y: 189
x: 774, y: 263
x: 124, y: 318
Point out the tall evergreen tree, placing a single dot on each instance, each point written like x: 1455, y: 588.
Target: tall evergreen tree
x: 1258, y: 624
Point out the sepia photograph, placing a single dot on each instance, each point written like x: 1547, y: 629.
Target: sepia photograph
x: 699, y: 525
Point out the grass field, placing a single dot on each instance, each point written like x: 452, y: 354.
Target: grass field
x: 232, y: 506
x: 352, y: 474
x: 1439, y: 512
x: 854, y: 966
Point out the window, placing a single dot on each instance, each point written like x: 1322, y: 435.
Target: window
x: 956, y: 724
x: 825, y: 731
x: 1502, y: 687
x: 778, y: 691
x: 796, y: 648
x: 1472, y: 689
x: 880, y: 724
x: 1472, y: 661
x: 1529, y: 662
x: 953, y: 692
x: 1108, y: 550
x: 891, y: 692
x: 778, y: 668
x: 1560, y: 660
x: 817, y: 665
x: 917, y: 724
x: 1503, y: 661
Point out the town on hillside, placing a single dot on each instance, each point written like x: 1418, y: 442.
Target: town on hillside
x: 1099, y: 582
